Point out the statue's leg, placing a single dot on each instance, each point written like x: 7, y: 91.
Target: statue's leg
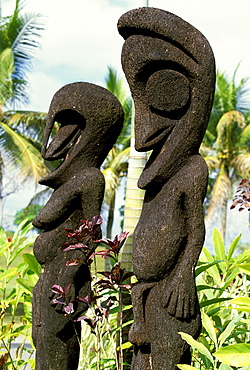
x: 54, y: 335
x: 138, y: 333
x: 167, y: 347
x: 141, y: 358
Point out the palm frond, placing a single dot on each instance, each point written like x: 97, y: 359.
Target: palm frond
x: 245, y: 138
x: 220, y: 193
x: 241, y: 164
x: 115, y: 85
x: 22, y: 154
x: 229, y: 129
x: 20, y: 33
x: 27, y: 123
x: 111, y: 183
x: 212, y: 162
x: 6, y: 71
x: 120, y: 160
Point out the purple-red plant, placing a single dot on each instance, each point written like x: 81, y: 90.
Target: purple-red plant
x: 100, y: 300
x: 115, y: 278
x: 62, y: 298
x: 114, y: 246
x: 242, y: 196
x: 86, y: 229
x: 83, y: 239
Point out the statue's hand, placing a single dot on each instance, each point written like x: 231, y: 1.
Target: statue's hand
x: 180, y: 297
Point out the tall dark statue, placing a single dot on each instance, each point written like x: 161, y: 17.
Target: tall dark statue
x: 170, y: 69
x: 90, y: 119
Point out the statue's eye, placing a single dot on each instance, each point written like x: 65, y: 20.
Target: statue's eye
x: 168, y: 90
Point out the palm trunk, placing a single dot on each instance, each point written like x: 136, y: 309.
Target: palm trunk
x: 224, y: 219
x: 134, y: 198
x: 133, y: 202
x: 110, y: 217
x: 109, y: 227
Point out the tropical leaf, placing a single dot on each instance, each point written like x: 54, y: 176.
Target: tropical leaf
x: 208, y: 324
x: 234, y: 355
x: 232, y: 247
x: 6, y: 70
x: 241, y: 163
x: 22, y: 154
x: 186, y: 367
x: 197, y: 345
x: 219, y: 247
x: 20, y: 33
x: 220, y: 193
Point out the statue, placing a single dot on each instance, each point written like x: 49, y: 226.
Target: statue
x: 90, y: 119
x: 169, y: 66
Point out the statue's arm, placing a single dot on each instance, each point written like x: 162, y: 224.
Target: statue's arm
x: 84, y: 191
x: 180, y: 297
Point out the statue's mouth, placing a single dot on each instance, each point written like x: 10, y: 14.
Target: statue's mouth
x: 63, y: 141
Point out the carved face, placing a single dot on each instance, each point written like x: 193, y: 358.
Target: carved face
x: 169, y: 66
x: 90, y: 119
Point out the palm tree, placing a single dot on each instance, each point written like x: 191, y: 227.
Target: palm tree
x: 20, y: 131
x: 115, y: 166
x: 134, y: 199
x: 226, y: 144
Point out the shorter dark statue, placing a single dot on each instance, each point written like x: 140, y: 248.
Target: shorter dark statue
x: 90, y: 119
x: 170, y: 69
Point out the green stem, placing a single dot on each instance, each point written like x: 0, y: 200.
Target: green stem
x: 120, y: 362
x: 97, y: 347
x: 11, y: 359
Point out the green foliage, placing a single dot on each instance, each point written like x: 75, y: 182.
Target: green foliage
x: 16, y: 283
x: 20, y: 33
x: 28, y: 213
x: 225, y: 146
x: 222, y: 284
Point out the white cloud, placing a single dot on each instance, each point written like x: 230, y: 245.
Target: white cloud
x: 81, y: 37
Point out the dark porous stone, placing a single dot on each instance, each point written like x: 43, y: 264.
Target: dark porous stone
x: 170, y: 68
x: 90, y: 119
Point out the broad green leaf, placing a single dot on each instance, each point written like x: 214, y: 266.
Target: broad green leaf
x: 206, y: 256
x: 228, y: 330
x: 8, y: 273
x: 4, y: 247
x: 127, y: 345
x: 197, y: 345
x: 241, y: 308
x: 208, y: 324
x: 25, y: 285
x: 205, y: 266
x: 123, y: 325
x: 213, y: 270
x: 204, y: 287
x: 245, y: 301
x: 218, y: 243
x: 186, y: 367
x: 232, y: 247
x: 213, y: 301
x: 234, y: 355
x: 245, y: 267
x: 25, y: 244
x: 242, y: 257
x: 232, y: 273
x: 208, y: 292
x: 225, y: 367
x: 32, y: 263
